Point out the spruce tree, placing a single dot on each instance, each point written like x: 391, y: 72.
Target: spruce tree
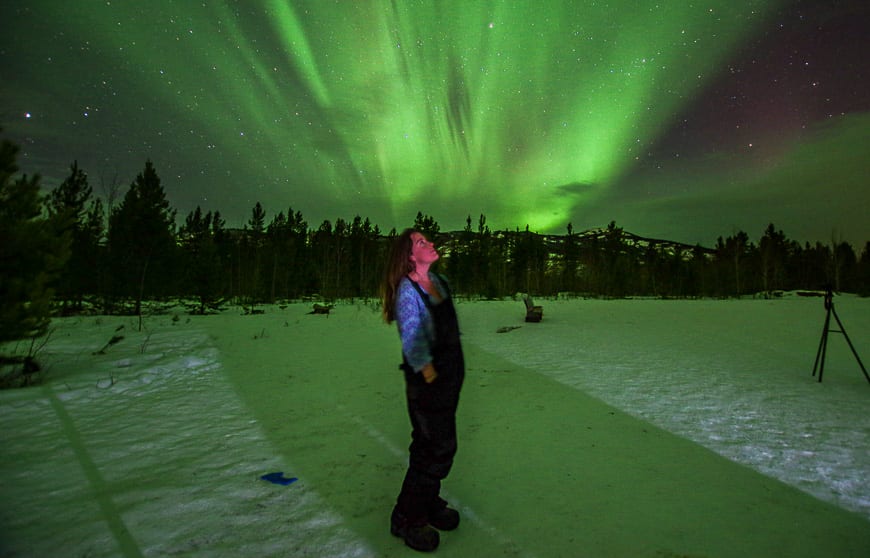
x: 277, y: 233
x: 71, y: 205
x: 427, y: 225
x: 201, y: 256
x: 253, y: 246
x: 299, y: 270
x: 863, y: 271
x: 32, y: 250
x: 141, y: 240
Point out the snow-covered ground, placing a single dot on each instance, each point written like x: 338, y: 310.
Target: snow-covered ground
x: 157, y: 447
x: 734, y: 376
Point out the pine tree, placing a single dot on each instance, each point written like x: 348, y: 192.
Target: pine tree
x: 32, y: 250
x: 731, y: 261
x: 202, y: 264
x: 93, y: 255
x: 863, y: 272
x: 278, y: 233
x: 481, y: 258
x: 773, y: 250
x: 68, y: 203
x: 363, y: 255
x: 844, y: 264
x: 323, y: 251
x: 258, y: 220
x: 252, y: 245
x: 427, y: 225
x: 141, y: 240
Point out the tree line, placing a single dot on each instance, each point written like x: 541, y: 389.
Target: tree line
x: 68, y: 252
x: 611, y: 262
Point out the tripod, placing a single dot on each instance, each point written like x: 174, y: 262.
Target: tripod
x: 823, y: 344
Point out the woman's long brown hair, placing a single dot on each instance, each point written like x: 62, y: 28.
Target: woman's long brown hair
x: 398, y: 266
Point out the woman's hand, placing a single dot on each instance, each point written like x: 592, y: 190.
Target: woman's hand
x: 429, y: 373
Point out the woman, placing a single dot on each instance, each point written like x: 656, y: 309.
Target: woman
x: 419, y: 301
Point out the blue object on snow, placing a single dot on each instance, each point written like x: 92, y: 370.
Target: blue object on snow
x: 279, y: 478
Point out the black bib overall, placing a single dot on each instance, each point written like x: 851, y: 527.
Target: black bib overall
x: 432, y: 409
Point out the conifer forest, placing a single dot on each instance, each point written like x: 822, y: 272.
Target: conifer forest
x: 69, y: 251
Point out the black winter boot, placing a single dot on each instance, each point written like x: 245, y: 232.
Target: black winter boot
x: 444, y: 519
x: 419, y: 537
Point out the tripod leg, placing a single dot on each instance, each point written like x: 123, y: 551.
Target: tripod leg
x: 849, y: 341
x: 823, y: 346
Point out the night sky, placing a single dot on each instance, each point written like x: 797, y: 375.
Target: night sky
x: 679, y: 119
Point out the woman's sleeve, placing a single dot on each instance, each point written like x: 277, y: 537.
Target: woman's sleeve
x: 412, y: 318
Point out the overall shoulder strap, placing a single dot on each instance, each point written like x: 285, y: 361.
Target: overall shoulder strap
x: 445, y: 284
x: 423, y: 296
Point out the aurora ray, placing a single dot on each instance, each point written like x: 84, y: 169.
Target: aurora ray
x: 530, y: 112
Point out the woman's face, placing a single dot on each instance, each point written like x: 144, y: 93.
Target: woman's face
x: 422, y: 251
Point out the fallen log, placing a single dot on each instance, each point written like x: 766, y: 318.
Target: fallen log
x: 321, y: 309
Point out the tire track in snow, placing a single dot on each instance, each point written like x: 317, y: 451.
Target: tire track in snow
x: 110, y: 512
x: 162, y: 459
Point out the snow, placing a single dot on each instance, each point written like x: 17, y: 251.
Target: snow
x: 587, y: 429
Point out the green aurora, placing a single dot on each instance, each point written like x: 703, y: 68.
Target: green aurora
x: 530, y: 112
